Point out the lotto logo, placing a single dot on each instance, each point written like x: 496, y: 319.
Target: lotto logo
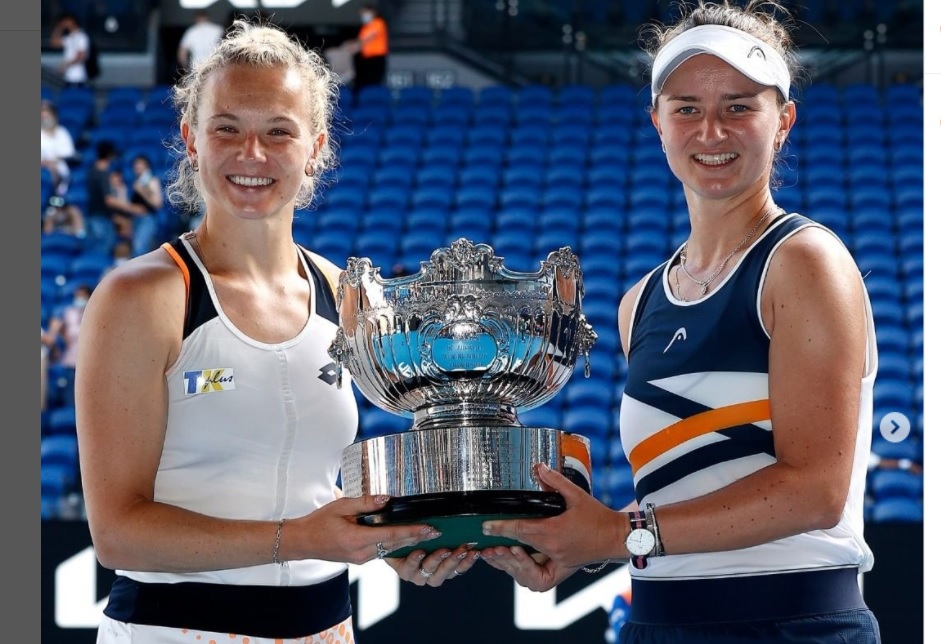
x: 206, y: 381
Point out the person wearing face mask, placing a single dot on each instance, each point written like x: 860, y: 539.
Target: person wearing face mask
x: 372, y: 49
x: 56, y: 147
x: 61, y: 335
x: 75, y: 44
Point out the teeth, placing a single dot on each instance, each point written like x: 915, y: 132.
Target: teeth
x: 715, y: 159
x: 251, y: 181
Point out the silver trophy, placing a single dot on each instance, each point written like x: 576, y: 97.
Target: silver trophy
x: 462, y: 347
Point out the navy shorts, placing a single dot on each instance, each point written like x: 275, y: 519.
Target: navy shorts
x: 814, y: 607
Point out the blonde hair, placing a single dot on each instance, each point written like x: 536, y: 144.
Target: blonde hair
x: 261, y: 45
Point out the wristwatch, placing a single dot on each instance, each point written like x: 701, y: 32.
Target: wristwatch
x: 641, y: 542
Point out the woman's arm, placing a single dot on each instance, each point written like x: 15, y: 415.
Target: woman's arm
x: 131, y: 334
x: 813, y: 307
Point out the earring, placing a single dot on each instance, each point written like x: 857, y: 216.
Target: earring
x: 309, y: 170
x: 663, y: 147
x: 195, y: 164
x: 778, y: 145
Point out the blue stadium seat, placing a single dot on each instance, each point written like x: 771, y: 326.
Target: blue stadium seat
x: 384, y: 219
x: 493, y: 114
x: 562, y: 196
x: 388, y: 177
x: 424, y: 239
x: 853, y: 95
x: 568, y: 153
x: 565, y: 175
x: 375, y: 95
x: 453, y: 115
x: 470, y: 224
x: 610, y: 154
x: 571, y: 133
x: 460, y: 95
x: 55, y: 266
x: 899, y: 510
x: 542, y: 416
x: 561, y: 216
x: 601, y: 243
x: 533, y: 115
x: 375, y: 422
x: 583, y: 96
x: 892, y: 394
x: 890, y: 334
x: 420, y: 95
x: 616, y: 484
x: 525, y: 153
x: 61, y: 420
x: 90, y: 266
x: 438, y: 196
x: 547, y: 241
x: 583, y: 393
x: 889, y: 483
x: 587, y: 421
x: 59, y: 449
x: 446, y: 135
x: 56, y: 479
x: 432, y: 220
x: 522, y: 176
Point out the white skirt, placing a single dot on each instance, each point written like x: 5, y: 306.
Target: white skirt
x: 114, y: 632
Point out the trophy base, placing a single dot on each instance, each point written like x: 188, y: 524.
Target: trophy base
x: 460, y: 515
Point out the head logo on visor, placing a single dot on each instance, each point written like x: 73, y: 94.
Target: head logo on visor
x: 752, y: 57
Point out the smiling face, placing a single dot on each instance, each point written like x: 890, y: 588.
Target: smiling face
x: 252, y: 140
x: 720, y: 128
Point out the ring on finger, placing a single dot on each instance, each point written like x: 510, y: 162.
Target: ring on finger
x: 424, y: 573
x: 458, y: 573
x: 381, y: 552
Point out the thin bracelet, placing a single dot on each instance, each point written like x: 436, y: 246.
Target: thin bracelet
x: 277, y: 543
x: 655, y: 528
x: 597, y: 568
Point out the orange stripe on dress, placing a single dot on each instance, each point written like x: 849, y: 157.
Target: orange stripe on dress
x: 698, y: 425
x: 183, y: 267
x: 576, y: 449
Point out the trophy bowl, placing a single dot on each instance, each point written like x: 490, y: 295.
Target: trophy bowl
x: 462, y: 347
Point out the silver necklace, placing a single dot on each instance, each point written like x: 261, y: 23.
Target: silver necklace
x: 704, y: 284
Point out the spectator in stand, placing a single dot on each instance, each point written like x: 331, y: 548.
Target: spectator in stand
x: 198, y: 40
x: 56, y: 147
x: 121, y: 252
x: 75, y: 44
x: 63, y: 217
x: 372, y: 47
x: 43, y: 370
x: 131, y: 213
x: 61, y: 338
x: 147, y: 195
x: 99, y: 223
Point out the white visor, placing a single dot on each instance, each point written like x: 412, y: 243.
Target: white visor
x: 751, y: 56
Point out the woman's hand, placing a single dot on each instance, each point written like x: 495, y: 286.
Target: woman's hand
x: 424, y: 569
x: 332, y: 533
x: 585, y: 532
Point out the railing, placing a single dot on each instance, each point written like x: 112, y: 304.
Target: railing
x: 591, y: 39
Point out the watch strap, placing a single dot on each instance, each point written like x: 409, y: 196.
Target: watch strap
x: 638, y: 520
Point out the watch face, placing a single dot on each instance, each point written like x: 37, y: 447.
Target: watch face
x: 640, y: 542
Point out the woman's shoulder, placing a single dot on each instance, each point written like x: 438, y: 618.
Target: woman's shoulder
x: 150, y: 280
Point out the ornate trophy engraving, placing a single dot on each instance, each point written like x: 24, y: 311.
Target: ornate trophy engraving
x: 462, y: 346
